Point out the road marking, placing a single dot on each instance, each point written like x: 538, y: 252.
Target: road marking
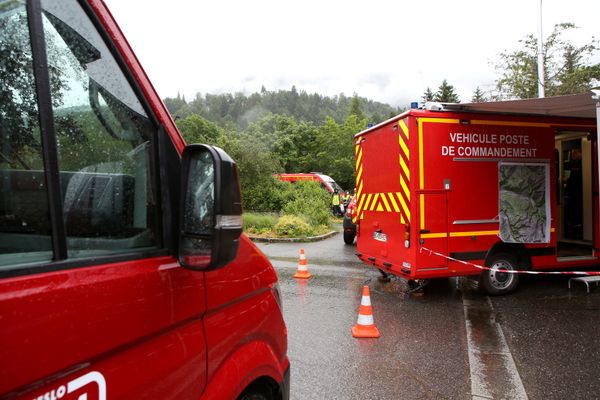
x: 494, y: 374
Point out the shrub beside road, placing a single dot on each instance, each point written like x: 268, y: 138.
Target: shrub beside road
x: 306, y: 213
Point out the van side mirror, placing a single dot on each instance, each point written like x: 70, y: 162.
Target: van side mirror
x: 211, y: 208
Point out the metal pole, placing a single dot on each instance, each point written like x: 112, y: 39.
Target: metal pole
x: 540, y: 63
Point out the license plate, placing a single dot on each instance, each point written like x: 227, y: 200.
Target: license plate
x: 382, y: 237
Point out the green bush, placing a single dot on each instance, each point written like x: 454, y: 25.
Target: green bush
x: 269, y: 195
x: 309, y: 201
x: 292, y: 226
x: 259, y: 223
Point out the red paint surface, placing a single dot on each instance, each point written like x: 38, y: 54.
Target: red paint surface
x: 150, y: 328
x: 473, y: 194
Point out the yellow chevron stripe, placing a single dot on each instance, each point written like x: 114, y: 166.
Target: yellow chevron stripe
x: 374, y: 203
x: 359, y: 174
x: 379, y: 207
x: 404, y: 167
x: 393, y: 201
x: 385, y: 202
x: 367, y: 202
x: 358, y: 158
x: 405, y: 188
x: 361, y: 200
x: 359, y: 191
x: 396, y: 208
x: 403, y: 127
x: 404, y: 147
x: 404, y: 207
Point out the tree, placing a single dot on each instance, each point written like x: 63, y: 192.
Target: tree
x: 239, y: 111
x: 196, y: 129
x: 355, y: 108
x: 567, y: 68
x: 19, y: 109
x: 446, y: 94
x: 334, y: 153
x: 428, y: 95
x: 292, y: 143
x: 256, y: 165
x: 478, y: 96
x: 174, y: 104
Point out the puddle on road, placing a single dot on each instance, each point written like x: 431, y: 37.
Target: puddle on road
x: 312, y: 260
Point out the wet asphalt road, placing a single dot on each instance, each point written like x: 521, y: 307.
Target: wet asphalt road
x: 541, y: 342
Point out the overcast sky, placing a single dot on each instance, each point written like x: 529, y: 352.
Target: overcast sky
x: 388, y: 51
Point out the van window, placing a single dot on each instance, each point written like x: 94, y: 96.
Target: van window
x: 24, y: 220
x: 104, y: 139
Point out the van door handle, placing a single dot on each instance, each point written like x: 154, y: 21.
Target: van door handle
x: 424, y: 231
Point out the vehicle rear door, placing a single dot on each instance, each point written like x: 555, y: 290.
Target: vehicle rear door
x: 433, y: 230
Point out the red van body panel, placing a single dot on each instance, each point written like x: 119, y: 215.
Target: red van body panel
x: 146, y: 328
x: 234, y: 327
x: 67, y: 321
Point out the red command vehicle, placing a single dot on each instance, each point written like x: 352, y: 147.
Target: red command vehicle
x: 326, y: 181
x: 123, y: 270
x: 505, y: 191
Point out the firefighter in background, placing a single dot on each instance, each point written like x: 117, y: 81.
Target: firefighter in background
x: 335, y: 203
x: 346, y: 198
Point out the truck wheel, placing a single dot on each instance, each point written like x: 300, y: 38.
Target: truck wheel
x: 349, y: 237
x: 496, y: 282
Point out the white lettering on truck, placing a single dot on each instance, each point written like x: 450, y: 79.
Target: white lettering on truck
x: 76, y: 384
x: 478, y: 139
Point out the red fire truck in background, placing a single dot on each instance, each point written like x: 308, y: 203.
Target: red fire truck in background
x: 123, y: 270
x: 505, y: 191
x: 326, y: 181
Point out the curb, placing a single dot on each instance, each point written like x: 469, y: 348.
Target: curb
x: 293, y: 240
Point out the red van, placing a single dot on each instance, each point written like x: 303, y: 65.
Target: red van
x: 123, y: 270
x: 326, y: 181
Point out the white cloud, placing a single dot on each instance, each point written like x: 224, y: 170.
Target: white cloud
x: 386, y: 50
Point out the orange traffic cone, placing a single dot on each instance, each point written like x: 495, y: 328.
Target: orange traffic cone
x: 365, y: 327
x: 302, y: 272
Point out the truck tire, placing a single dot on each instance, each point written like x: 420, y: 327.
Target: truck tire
x: 349, y: 237
x: 495, y: 282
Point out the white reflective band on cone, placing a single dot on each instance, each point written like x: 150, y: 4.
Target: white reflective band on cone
x: 365, y: 320
x: 365, y: 301
x: 229, y: 221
